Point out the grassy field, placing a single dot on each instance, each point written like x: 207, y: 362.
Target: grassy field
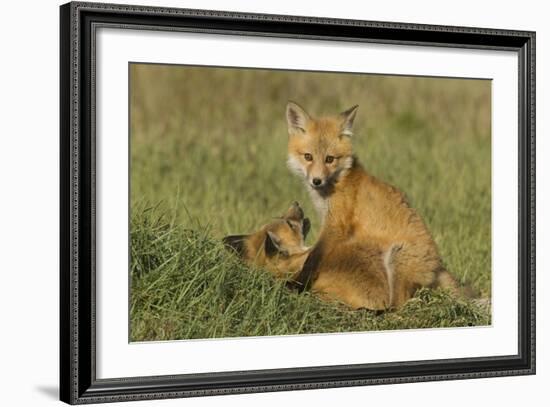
x: 208, y: 152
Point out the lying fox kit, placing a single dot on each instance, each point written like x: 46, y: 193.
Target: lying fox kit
x: 278, y: 246
x: 374, y: 250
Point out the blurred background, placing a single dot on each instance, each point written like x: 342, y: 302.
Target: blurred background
x: 208, y: 146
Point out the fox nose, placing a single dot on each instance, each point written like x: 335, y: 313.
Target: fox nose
x: 316, y: 181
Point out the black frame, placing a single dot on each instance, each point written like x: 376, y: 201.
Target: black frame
x: 78, y: 383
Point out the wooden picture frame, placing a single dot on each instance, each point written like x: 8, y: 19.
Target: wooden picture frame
x: 78, y: 381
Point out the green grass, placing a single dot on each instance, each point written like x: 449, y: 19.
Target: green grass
x: 208, y: 152
x: 186, y: 285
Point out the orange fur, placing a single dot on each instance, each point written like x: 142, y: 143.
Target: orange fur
x: 277, y: 246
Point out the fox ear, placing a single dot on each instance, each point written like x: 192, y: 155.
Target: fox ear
x: 306, y: 226
x: 347, y: 120
x: 236, y: 243
x: 273, y: 245
x: 296, y: 118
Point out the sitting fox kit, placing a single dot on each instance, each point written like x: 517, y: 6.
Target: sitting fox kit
x: 374, y: 250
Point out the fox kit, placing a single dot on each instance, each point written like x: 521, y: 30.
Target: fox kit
x: 373, y: 250
x: 278, y: 246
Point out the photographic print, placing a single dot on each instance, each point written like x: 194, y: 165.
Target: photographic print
x: 277, y: 202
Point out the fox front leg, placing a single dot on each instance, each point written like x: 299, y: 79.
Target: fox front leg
x: 306, y: 276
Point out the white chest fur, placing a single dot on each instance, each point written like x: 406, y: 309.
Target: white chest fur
x: 321, y: 204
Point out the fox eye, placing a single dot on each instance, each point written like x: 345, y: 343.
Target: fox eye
x: 290, y: 224
x: 308, y: 157
x: 329, y: 159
